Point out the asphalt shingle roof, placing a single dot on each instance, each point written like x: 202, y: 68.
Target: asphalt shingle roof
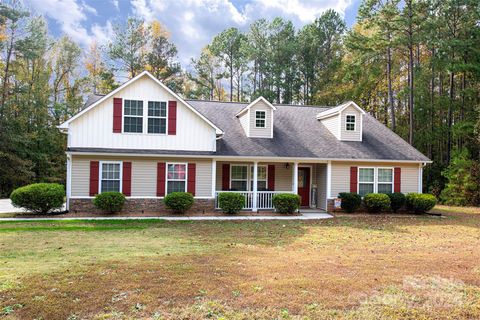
x: 296, y: 133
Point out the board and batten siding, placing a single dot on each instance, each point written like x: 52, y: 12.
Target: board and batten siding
x: 351, y: 135
x: 144, y: 175
x: 94, y: 129
x: 261, y: 132
x: 341, y: 175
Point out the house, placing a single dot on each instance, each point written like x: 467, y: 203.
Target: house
x: 146, y: 141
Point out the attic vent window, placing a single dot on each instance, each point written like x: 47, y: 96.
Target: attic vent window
x: 260, y: 119
x: 350, y: 123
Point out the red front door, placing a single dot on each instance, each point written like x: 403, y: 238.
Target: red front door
x: 304, y: 186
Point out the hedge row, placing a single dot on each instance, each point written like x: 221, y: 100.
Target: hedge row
x: 378, y: 202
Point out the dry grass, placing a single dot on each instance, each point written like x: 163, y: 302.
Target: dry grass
x: 365, y: 267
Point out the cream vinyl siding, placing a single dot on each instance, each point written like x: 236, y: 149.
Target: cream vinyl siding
x: 283, y: 176
x: 331, y: 124
x: 244, y: 122
x: 341, y: 175
x: 351, y: 135
x: 144, y: 175
x: 321, y: 180
x: 261, y: 132
x: 94, y: 128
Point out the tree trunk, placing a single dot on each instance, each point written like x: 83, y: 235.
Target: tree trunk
x: 450, y: 115
x: 390, y: 90
x: 410, y: 93
x: 6, y: 70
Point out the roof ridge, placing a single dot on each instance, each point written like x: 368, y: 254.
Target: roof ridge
x: 275, y: 104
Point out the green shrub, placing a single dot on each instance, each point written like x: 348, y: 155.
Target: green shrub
x: 178, y: 202
x: 110, y: 202
x: 39, y: 197
x: 231, y: 202
x: 286, y: 203
x: 420, y: 202
x: 350, y: 201
x: 376, y: 202
x: 397, y: 200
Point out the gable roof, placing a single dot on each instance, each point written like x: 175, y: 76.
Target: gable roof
x: 298, y: 134
x: 94, y: 101
x: 338, y: 109
x: 254, y: 103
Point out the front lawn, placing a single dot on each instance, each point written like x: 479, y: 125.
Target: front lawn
x: 357, y: 267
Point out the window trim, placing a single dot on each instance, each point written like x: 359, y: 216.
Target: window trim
x: 261, y: 119
x: 375, y: 178
x: 249, y: 179
x: 100, y: 174
x: 354, y: 122
x: 166, y: 175
x: 142, y: 117
x: 154, y: 117
x: 231, y: 176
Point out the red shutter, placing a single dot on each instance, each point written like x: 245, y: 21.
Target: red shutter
x: 172, y: 117
x: 353, y: 179
x: 160, y: 179
x: 93, y: 178
x: 117, y: 115
x: 191, y: 173
x: 397, y: 180
x: 225, y: 176
x: 127, y: 179
x: 271, y: 177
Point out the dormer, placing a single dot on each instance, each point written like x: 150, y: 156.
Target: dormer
x: 257, y: 119
x: 345, y: 121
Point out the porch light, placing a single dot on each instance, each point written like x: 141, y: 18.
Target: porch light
x: 287, y: 165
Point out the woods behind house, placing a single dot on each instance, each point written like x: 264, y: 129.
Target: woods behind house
x: 414, y: 65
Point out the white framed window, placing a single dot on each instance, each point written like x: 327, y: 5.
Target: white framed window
x: 133, y: 116
x: 366, y: 181
x: 110, y: 176
x: 375, y: 180
x: 385, y: 180
x: 350, y: 122
x: 176, y: 177
x: 239, y: 177
x: 261, y: 178
x: 260, y: 119
x: 157, y: 117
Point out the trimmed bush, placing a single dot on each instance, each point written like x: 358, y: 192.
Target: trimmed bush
x: 286, y: 203
x: 231, y: 202
x: 420, y: 202
x: 39, y: 197
x: 350, y: 201
x: 397, y: 201
x: 376, y: 202
x: 178, y: 202
x: 110, y: 202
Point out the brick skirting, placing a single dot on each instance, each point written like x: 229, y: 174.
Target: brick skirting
x: 141, y: 206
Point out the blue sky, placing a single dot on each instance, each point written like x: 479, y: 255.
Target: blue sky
x: 191, y: 23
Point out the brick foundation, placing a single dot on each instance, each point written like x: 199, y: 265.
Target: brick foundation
x: 142, y: 206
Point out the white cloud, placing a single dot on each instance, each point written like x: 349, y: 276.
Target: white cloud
x: 193, y: 23
x: 115, y: 4
x: 71, y: 16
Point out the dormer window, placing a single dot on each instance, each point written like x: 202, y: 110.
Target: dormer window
x: 350, y: 122
x: 133, y: 116
x: 260, y: 119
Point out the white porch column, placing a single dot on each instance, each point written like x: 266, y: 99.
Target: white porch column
x: 214, y: 177
x: 329, y: 179
x: 295, y: 178
x: 69, y: 181
x: 255, y: 182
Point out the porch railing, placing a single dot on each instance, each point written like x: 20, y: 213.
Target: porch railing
x: 264, y: 198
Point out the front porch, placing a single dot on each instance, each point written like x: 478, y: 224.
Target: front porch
x: 258, y: 182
